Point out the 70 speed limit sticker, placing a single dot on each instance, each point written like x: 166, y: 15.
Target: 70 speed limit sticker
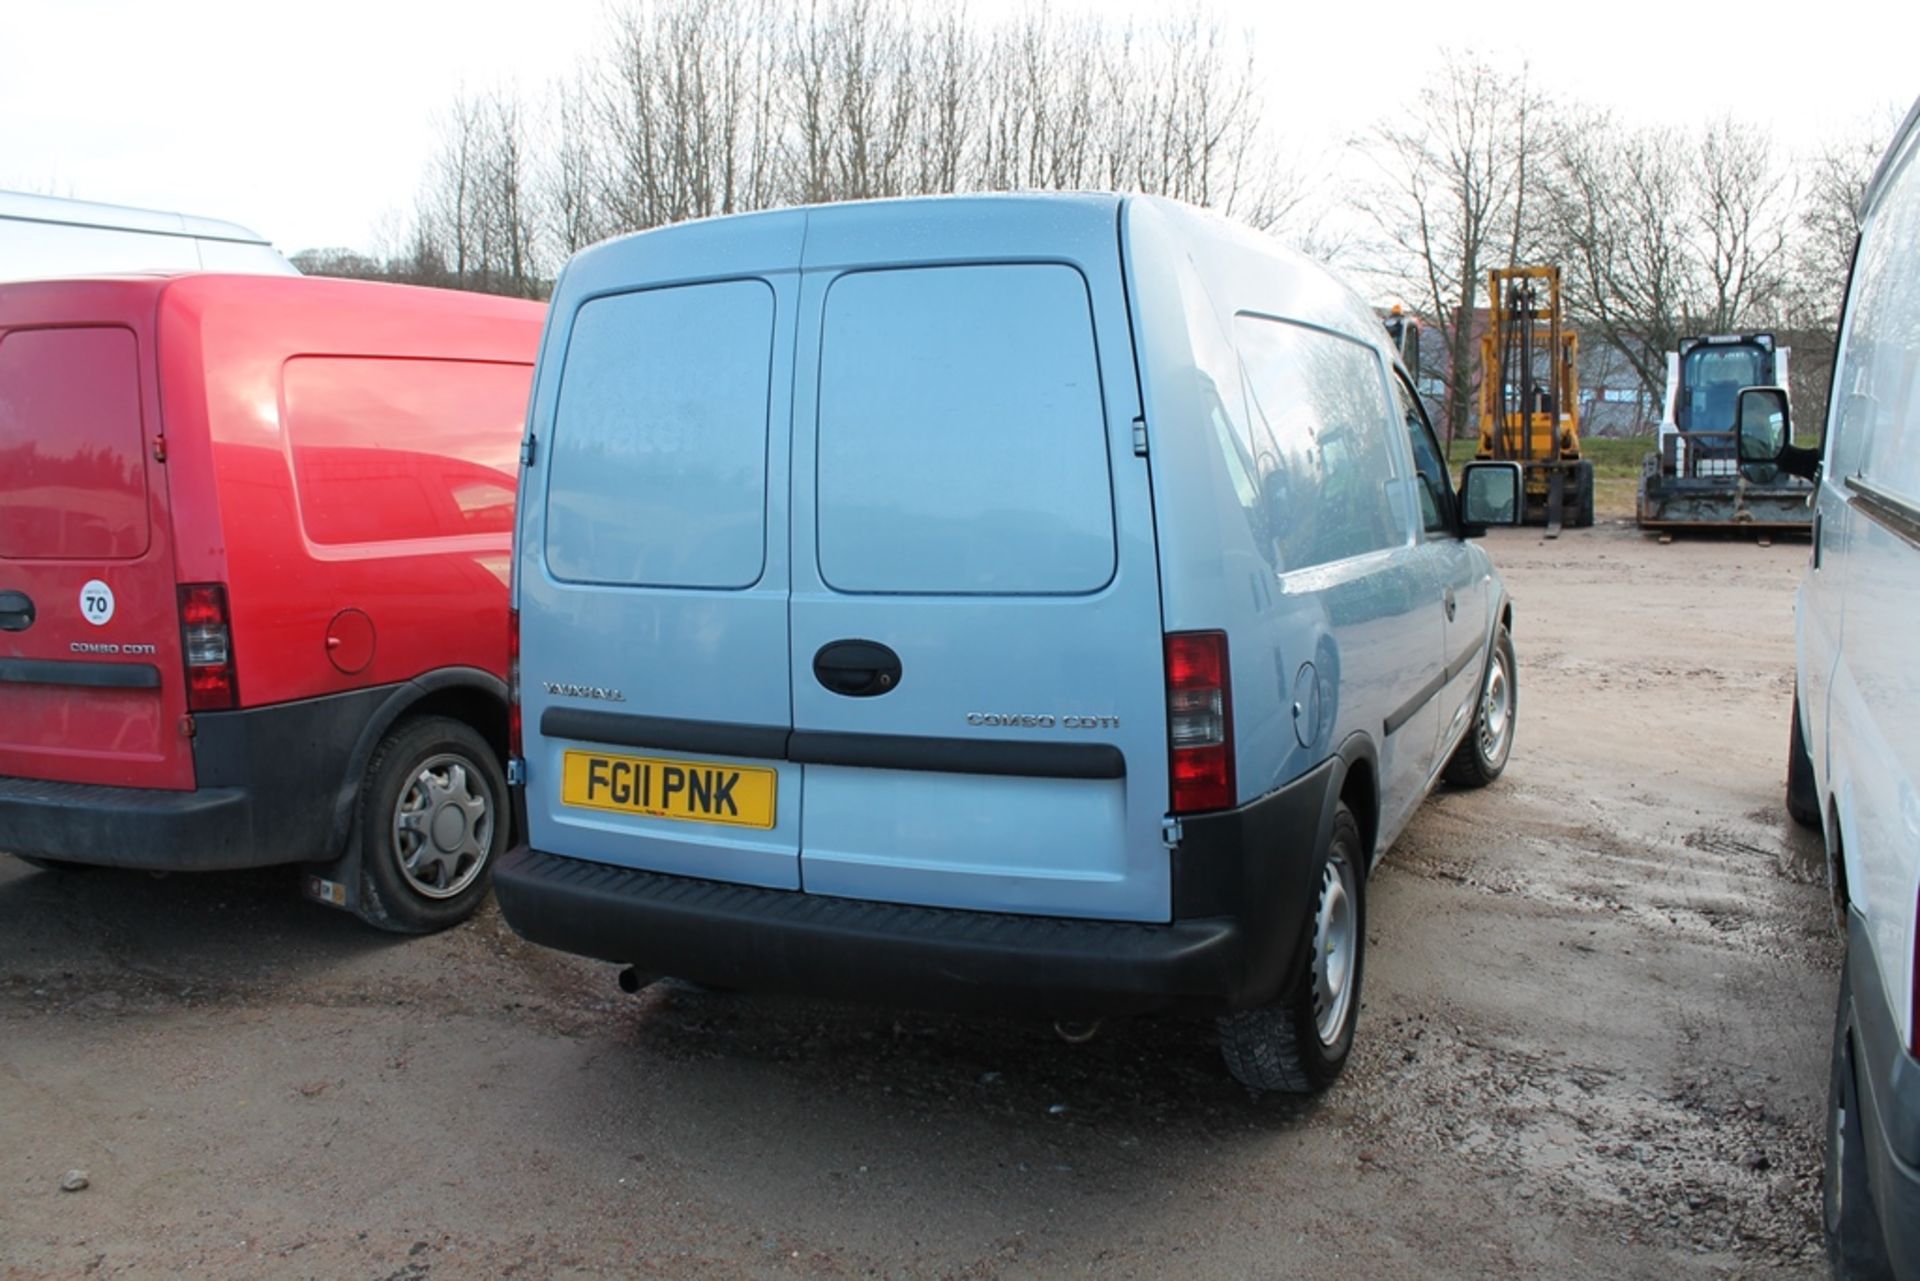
x: 96, y: 603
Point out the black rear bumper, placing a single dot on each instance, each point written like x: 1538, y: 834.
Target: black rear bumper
x: 1242, y: 890
x: 271, y: 780
x: 203, y: 830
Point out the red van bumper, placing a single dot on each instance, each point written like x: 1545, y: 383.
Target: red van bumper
x: 204, y: 830
x: 277, y: 785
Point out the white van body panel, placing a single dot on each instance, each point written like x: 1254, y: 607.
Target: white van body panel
x: 46, y: 238
x: 1858, y: 614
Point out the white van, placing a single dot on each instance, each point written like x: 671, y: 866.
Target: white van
x: 1854, y: 759
x: 1046, y: 602
x: 45, y: 238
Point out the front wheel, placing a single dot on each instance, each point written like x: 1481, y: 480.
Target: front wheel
x: 433, y: 820
x: 1482, y: 754
x: 1856, y: 1244
x: 1803, y: 794
x: 1299, y: 1043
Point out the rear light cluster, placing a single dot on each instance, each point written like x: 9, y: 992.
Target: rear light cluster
x: 1199, y: 722
x: 206, y: 638
x: 513, y: 684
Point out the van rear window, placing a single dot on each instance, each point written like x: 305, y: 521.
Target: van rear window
x: 390, y: 450
x: 73, y: 474
x: 962, y: 434
x: 658, y: 475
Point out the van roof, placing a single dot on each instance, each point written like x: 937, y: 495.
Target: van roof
x: 24, y: 207
x: 937, y: 227
x: 1883, y: 172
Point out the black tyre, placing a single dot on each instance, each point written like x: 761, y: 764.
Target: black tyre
x: 53, y: 864
x: 1482, y: 754
x: 432, y: 822
x: 1856, y: 1244
x: 1299, y: 1043
x: 1803, y: 796
x: 1582, y: 495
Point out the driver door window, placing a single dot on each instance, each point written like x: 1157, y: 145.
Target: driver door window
x: 1435, y: 488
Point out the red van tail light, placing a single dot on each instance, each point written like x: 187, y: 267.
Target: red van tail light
x: 513, y: 684
x: 1199, y: 722
x: 206, y: 639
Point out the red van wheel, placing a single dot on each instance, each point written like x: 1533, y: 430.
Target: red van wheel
x: 433, y: 819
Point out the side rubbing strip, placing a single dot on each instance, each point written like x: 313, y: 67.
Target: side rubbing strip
x: 1468, y: 657
x: 1406, y: 711
x: 53, y: 671
x: 1886, y: 508
x: 810, y: 747
x: 959, y: 755
x: 709, y: 738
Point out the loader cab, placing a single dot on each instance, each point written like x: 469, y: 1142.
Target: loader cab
x: 1712, y: 372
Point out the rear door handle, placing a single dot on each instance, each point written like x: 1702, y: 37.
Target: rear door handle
x: 857, y: 668
x: 16, y: 611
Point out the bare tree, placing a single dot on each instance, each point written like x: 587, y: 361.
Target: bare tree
x: 698, y: 107
x: 1455, y: 199
x: 1668, y: 233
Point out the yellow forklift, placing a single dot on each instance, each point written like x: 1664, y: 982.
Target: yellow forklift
x: 1530, y: 396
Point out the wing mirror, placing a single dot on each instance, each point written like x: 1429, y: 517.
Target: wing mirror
x: 1764, y: 428
x: 1489, y: 495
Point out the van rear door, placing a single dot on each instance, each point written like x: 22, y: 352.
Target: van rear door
x: 978, y: 682
x: 652, y: 573
x: 90, y: 669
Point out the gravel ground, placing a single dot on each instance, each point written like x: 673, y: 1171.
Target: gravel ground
x: 1594, y: 1041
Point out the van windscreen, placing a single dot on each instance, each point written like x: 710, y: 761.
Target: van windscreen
x: 659, y: 453
x: 73, y: 476
x: 962, y: 433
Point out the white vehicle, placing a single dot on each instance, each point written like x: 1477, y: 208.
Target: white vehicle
x: 1692, y: 479
x: 45, y: 238
x: 1854, y: 764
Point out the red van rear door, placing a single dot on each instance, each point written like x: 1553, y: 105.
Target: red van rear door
x: 91, y: 683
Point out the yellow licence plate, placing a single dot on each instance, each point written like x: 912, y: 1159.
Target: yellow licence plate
x: 699, y: 791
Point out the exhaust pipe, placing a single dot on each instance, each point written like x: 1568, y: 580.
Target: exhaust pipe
x: 1074, y: 1033
x: 632, y: 980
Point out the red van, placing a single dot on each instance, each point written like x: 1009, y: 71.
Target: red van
x: 254, y: 541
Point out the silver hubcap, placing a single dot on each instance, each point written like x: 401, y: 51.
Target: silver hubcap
x: 1496, y: 712
x: 443, y: 827
x: 1335, y: 949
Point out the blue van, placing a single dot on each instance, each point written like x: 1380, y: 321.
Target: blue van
x: 1040, y: 602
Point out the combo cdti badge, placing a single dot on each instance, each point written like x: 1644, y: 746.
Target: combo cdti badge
x: 1041, y: 602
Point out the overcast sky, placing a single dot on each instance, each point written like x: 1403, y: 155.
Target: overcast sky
x: 311, y: 123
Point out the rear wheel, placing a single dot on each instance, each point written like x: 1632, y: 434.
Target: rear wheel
x: 1803, y: 796
x: 53, y: 864
x: 1299, y: 1043
x: 1482, y: 754
x: 1856, y: 1245
x: 432, y: 821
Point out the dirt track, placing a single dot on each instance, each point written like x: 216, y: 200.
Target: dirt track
x: 1594, y: 1042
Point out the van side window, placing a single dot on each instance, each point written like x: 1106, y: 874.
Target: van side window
x: 1320, y: 420
x: 1878, y: 402
x: 1436, y: 504
x: 388, y: 450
